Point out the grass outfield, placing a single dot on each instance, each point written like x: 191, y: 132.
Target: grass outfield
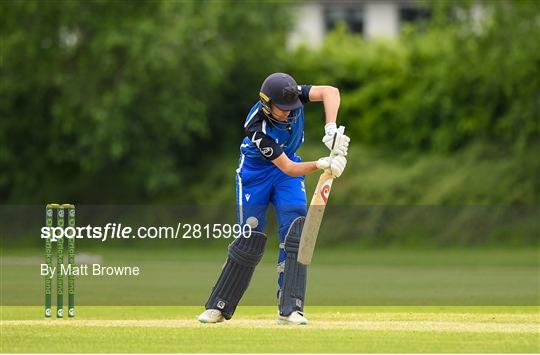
x: 490, y: 298
x: 253, y: 329
x: 346, y: 277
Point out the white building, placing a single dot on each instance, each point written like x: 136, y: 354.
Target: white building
x: 371, y: 18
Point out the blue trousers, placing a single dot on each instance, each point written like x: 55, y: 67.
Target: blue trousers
x: 259, y: 185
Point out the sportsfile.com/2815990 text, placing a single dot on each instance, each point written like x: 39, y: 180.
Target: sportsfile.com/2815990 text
x: 119, y: 231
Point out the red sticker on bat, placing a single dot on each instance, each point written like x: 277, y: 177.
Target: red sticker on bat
x: 325, y: 192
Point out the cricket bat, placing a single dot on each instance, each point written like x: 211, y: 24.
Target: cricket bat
x: 316, y: 213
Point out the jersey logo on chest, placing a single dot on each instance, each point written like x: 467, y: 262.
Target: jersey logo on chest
x: 282, y: 145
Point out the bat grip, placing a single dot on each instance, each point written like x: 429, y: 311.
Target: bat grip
x: 340, y: 131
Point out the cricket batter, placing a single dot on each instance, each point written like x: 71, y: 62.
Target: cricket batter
x: 269, y: 171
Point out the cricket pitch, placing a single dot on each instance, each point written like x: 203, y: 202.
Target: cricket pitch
x: 380, y: 329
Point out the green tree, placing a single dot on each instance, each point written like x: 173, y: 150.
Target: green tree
x: 116, y: 100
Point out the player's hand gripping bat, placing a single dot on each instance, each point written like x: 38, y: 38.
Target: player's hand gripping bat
x: 316, y: 211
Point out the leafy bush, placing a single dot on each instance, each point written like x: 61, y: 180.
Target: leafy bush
x: 460, y: 82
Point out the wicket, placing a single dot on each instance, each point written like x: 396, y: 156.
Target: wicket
x: 49, y: 222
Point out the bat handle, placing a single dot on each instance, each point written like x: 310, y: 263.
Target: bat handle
x: 340, y: 131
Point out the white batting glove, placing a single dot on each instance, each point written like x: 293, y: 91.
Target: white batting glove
x: 335, y: 164
x: 329, y: 130
x: 341, y: 146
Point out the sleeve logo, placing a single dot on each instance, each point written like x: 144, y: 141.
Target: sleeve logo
x: 267, y: 151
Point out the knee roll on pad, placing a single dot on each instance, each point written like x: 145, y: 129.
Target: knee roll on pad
x: 244, y: 255
x: 294, y: 275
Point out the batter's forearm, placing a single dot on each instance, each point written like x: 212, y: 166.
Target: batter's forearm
x: 331, y: 101
x: 301, y: 169
x: 330, y: 97
x: 292, y: 168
